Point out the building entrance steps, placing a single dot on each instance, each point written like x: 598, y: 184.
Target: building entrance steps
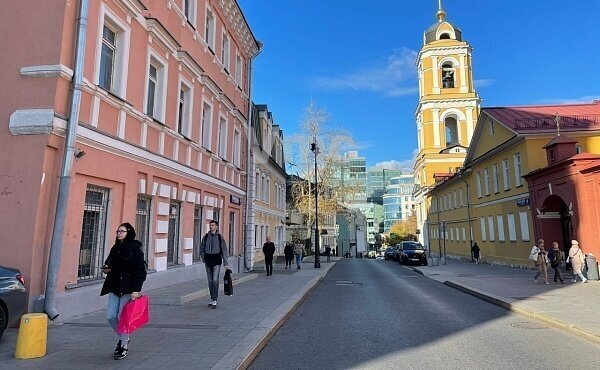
x: 182, y: 293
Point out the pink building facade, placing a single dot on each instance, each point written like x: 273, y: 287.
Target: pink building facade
x: 161, y: 141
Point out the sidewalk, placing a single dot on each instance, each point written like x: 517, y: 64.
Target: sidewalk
x: 572, y: 307
x: 183, y: 332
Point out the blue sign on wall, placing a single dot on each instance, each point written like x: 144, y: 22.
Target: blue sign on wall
x: 523, y: 202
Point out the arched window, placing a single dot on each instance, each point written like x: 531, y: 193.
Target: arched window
x: 451, y: 127
x: 445, y: 36
x: 447, y: 75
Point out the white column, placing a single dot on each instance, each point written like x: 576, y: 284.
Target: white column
x: 434, y: 68
x: 436, y: 127
x: 463, y: 75
x: 469, y: 125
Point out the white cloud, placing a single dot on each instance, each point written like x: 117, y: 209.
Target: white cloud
x: 484, y: 82
x: 581, y: 99
x: 406, y: 164
x: 395, y: 78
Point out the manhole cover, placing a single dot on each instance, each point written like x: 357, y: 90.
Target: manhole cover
x: 528, y: 325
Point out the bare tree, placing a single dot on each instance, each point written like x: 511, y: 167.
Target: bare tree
x: 330, y: 144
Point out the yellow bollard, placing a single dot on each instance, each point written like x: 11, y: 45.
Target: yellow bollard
x: 33, y: 335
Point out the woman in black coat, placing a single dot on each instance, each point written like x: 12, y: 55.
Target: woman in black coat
x: 125, y: 271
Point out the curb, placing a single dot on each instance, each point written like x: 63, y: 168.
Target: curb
x: 548, y: 320
x: 250, y: 346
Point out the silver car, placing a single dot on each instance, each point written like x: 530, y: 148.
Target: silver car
x: 13, y: 297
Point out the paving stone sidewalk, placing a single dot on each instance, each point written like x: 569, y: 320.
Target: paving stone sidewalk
x: 571, y: 306
x: 181, y: 334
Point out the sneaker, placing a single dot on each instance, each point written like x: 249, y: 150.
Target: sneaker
x: 213, y: 304
x: 547, y: 283
x: 116, y: 352
x: 585, y: 281
x: 574, y: 280
x: 562, y: 281
x: 535, y: 281
x: 121, y: 354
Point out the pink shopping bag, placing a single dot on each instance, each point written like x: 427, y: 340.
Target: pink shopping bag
x: 135, y: 314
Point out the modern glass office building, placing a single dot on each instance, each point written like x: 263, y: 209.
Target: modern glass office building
x: 398, y: 200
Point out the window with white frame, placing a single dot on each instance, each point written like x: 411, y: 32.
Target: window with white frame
x: 495, y: 174
x: 222, y: 139
x: 500, y: 222
x: 491, y: 233
x: 464, y: 234
x: 268, y: 195
x: 225, y: 50
x: 257, y: 183
x: 478, y: 179
x: 523, y: 220
x: 112, y: 53
x: 184, y: 110
x: 482, y: 227
x: 506, y: 174
x: 238, y: 69
x: 237, y: 147
x: 189, y: 10
x: 209, y: 29
x: 451, y: 233
x: 263, y: 185
x: 455, y: 199
x: 206, y: 126
x: 461, y: 196
x: 518, y: 173
x: 486, y: 181
x: 512, y: 234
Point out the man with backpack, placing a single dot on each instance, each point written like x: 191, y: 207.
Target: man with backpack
x: 213, y: 252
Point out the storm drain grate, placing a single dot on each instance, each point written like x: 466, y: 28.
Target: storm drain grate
x: 528, y: 325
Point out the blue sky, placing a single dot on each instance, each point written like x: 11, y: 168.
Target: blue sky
x: 355, y: 58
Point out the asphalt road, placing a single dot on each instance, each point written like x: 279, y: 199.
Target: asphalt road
x: 375, y: 314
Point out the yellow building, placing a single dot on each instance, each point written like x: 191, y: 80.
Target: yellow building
x: 447, y: 110
x: 489, y: 195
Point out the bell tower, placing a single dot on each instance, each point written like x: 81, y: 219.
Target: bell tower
x: 447, y: 110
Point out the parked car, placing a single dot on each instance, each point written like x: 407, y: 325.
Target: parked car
x: 13, y: 297
x: 411, y: 252
x: 389, y: 253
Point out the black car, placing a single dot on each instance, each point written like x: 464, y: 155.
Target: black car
x: 13, y: 297
x: 411, y: 252
x: 389, y: 253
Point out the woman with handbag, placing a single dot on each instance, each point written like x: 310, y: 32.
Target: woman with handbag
x: 577, y: 259
x: 538, y: 254
x: 556, y: 257
x: 125, y: 271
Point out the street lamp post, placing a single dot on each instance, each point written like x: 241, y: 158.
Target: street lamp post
x: 315, y: 149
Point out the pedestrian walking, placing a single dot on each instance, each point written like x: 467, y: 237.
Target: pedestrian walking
x: 476, y: 252
x: 577, y: 259
x: 269, y: 251
x: 556, y: 258
x: 213, y: 252
x: 328, y: 253
x: 298, y: 252
x: 288, y: 251
x: 539, y: 252
x: 125, y: 270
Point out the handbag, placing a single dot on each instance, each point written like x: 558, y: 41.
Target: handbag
x: 228, y: 283
x: 533, y: 255
x: 135, y: 314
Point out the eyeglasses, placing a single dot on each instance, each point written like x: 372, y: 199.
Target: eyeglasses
x: 121, y: 231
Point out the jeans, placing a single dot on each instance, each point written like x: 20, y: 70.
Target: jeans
x: 269, y: 265
x: 212, y: 274
x: 298, y: 260
x: 557, y: 274
x: 115, y: 307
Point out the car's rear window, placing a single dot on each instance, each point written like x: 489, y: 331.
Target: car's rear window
x: 412, y: 246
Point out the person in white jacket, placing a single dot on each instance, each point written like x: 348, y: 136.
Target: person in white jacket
x: 577, y: 259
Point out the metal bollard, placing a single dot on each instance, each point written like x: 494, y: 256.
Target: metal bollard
x: 33, y: 336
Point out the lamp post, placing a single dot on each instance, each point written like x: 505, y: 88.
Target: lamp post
x: 315, y: 149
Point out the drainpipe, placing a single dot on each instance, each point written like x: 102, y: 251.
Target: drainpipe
x: 250, y: 194
x: 64, y: 186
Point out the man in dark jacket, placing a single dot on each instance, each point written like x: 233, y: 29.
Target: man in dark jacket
x: 289, y: 255
x: 213, y: 251
x: 269, y: 251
